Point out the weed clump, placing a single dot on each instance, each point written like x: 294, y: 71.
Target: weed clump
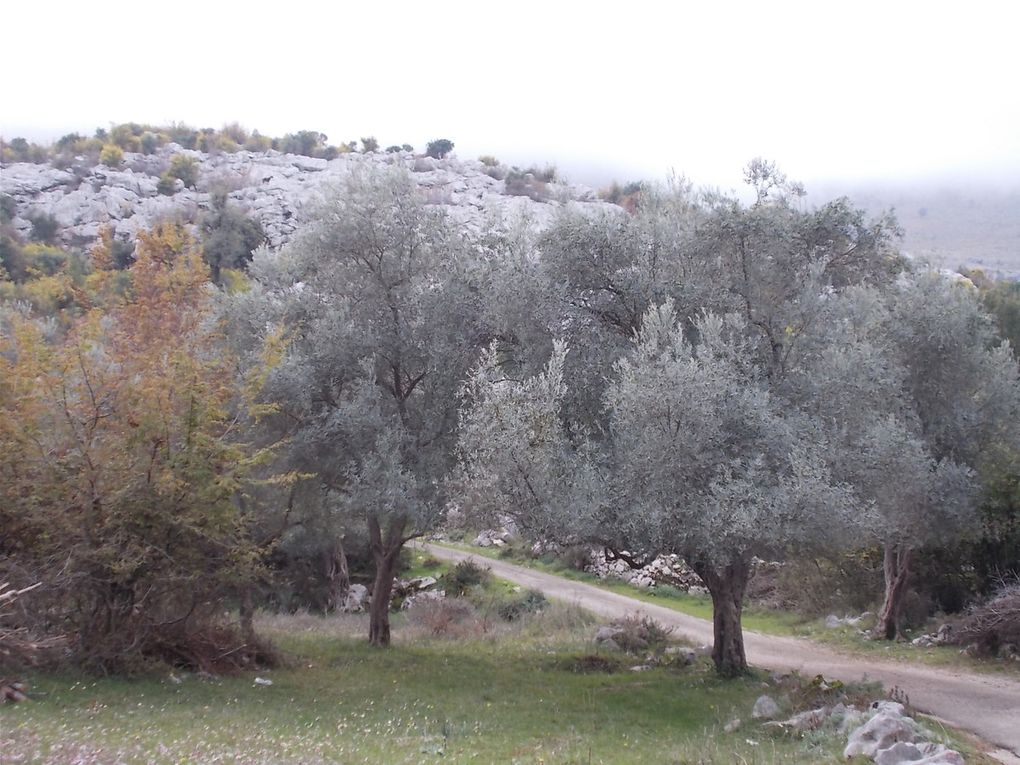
x: 464, y: 576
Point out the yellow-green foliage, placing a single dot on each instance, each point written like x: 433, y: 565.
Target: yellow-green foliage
x: 111, y: 155
x: 185, y: 168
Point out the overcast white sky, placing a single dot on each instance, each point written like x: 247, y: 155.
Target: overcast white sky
x: 855, y: 90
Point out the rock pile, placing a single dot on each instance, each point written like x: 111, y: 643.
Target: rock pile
x: 665, y: 569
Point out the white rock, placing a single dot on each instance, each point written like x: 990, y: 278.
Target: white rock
x: 765, y: 708
x: 886, y: 728
x: 355, y: 600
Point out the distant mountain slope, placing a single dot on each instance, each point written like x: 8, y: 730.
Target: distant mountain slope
x: 952, y: 227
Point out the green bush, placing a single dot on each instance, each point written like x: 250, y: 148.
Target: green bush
x: 369, y: 145
x: 166, y: 184
x: 516, y: 606
x: 439, y: 148
x: 185, y: 169
x: 464, y: 576
x: 111, y: 155
x: 44, y: 227
x: 229, y: 237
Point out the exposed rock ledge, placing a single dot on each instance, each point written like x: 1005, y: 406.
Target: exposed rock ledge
x: 277, y: 189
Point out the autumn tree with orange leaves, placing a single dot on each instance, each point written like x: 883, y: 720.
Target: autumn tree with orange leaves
x: 119, y: 467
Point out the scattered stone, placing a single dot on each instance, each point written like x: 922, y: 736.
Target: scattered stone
x: 805, y: 721
x: 427, y: 596
x: 263, y: 681
x: 732, y: 726
x: 641, y: 668
x: 13, y: 692
x: 765, y: 708
x: 885, y: 728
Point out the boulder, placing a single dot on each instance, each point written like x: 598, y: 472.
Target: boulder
x: 888, y: 726
x: 422, y: 582
x: 898, y: 753
x: 765, y: 708
x: 606, y: 633
x: 355, y: 599
x: 426, y: 596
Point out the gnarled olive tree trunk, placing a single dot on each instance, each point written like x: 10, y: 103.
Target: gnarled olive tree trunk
x: 385, y: 551
x: 338, y: 576
x: 727, y: 585
x: 896, y: 567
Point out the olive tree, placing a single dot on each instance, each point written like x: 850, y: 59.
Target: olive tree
x: 917, y: 395
x: 699, y: 459
x: 376, y: 305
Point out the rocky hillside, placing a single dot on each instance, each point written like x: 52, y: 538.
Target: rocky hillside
x: 275, y: 188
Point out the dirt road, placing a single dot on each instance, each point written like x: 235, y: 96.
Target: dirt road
x: 988, y: 705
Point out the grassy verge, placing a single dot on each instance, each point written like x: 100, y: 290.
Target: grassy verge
x: 501, y: 692
x: 770, y: 622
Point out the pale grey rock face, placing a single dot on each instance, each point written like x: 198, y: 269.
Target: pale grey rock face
x: 279, y: 190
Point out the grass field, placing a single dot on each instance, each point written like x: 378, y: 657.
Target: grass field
x: 474, y: 689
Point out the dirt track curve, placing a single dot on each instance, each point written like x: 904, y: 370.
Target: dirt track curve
x: 986, y: 704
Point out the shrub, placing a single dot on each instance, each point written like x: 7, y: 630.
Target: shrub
x: 44, y: 227
x: 439, y: 148
x: 638, y: 634
x: 229, y: 237
x: 8, y: 208
x: 523, y: 183
x: 575, y: 557
x: 369, y: 145
x: 127, y: 136
x: 527, y: 602
x: 995, y: 623
x: 445, y: 617
x: 407, y: 147
x: 394, y: 149
x: 464, y: 576
x: 488, y: 160
x: 589, y: 663
x: 257, y: 142
x: 111, y: 155
x: 167, y: 183
x: 185, y: 169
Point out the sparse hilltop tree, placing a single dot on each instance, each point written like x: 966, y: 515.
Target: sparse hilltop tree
x: 439, y: 148
x: 382, y: 325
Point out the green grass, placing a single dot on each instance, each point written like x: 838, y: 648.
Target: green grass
x: 493, y: 698
x: 502, y: 692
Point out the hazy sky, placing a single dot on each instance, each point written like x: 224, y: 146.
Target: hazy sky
x: 851, y: 90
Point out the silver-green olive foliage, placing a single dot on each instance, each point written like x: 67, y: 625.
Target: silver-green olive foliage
x: 741, y: 381
x: 381, y: 318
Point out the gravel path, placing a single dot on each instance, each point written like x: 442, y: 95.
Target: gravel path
x: 985, y: 704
